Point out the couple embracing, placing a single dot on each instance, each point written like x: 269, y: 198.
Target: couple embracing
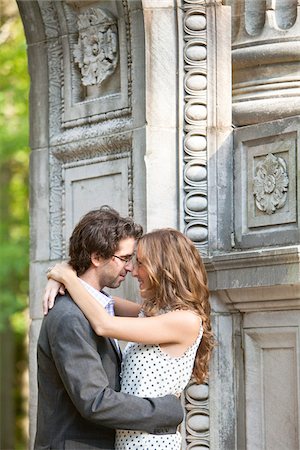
x: 82, y: 404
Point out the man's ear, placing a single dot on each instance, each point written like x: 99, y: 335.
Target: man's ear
x: 95, y: 259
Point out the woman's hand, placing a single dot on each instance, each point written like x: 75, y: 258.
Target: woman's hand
x: 51, y: 290
x: 61, y: 272
x: 58, y: 277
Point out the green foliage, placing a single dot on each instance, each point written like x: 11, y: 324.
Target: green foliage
x: 14, y: 227
x: 14, y: 156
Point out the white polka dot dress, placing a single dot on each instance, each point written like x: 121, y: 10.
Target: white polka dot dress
x: 147, y: 371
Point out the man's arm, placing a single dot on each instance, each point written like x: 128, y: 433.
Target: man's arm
x: 81, y: 370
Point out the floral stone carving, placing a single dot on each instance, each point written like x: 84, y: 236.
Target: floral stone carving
x: 97, y: 50
x: 270, y: 184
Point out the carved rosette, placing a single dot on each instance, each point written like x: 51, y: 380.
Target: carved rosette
x: 97, y: 50
x: 195, y: 123
x: 195, y: 184
x: 270, y: 184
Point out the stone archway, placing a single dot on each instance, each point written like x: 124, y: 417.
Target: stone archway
x: 126, y: 135
x: 157, y: 132
x: 93, y: 141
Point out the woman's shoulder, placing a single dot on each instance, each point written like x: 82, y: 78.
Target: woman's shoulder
x: 187, y: 325
x: 187, y: 317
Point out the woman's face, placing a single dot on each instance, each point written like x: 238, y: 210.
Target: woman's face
x: 140, y: 272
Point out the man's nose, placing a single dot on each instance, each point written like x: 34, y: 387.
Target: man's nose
x: 129, y: 266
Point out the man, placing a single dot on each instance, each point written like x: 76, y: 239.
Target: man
x: 79, y: 405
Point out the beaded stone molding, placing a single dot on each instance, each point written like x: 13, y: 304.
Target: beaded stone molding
x: 195, y: 123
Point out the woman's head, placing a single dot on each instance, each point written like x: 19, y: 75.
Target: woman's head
x: 174, y: 267
x: 172, y: 276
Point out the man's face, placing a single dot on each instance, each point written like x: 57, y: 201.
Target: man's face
x: 116, y: 268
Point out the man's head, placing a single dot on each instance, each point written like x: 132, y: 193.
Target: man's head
x: 99, y: 234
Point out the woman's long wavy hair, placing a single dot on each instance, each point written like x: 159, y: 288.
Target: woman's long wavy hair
x: 178, y: 280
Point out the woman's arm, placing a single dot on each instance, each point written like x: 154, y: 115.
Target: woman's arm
x: 177, y: 327
x: 126, y: 308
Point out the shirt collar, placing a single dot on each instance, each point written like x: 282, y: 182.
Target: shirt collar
x: 101, y: 296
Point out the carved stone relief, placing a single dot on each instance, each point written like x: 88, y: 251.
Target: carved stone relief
x: 271, y: 184
x: 97, y: 50
x: 96, y: 63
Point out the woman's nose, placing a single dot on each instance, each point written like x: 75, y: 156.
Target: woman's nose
x: 134, y: 270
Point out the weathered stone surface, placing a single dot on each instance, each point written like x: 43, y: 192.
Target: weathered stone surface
x: 155, y: 139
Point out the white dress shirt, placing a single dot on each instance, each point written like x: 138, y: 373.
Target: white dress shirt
x: 104, y: 299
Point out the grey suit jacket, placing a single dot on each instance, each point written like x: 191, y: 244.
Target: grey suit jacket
x: 79, y: 405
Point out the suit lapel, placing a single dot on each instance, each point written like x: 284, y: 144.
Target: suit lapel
x: 116, y: 349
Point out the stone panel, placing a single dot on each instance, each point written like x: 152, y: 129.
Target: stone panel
x: 272, y: 381
x: 87, y: 184
x: 266, y: 197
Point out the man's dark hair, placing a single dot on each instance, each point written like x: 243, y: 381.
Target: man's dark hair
x: 99, y: 231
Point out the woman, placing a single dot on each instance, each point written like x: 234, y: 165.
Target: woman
x: 164, y: 348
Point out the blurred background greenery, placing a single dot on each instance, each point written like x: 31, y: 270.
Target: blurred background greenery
x: 14, y: 229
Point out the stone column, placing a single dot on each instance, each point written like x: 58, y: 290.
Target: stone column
x: 206, y: 198
x: 265, y: 58
x: 161, y: 75
x: 259, y: 276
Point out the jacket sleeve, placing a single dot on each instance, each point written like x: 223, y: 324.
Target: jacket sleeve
x: 80, y: 367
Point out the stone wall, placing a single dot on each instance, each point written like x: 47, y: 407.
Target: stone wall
x: 183, y: 114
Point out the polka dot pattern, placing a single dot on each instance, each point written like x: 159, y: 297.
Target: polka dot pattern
x: 136, y: 440
x: 148, y: 371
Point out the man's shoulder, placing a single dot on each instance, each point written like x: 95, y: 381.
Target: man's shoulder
x: 63, y: 311
x: 64, y: 305
x: 65, y: 317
